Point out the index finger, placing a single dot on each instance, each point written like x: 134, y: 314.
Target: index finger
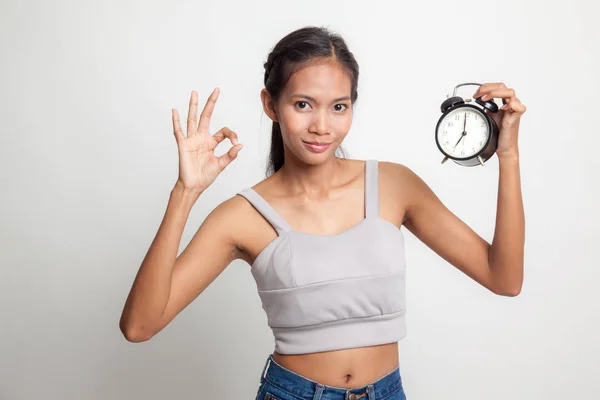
x: 486, y: 87
x: 207, y: 111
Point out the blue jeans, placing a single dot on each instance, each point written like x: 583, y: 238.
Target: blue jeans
x: 279, y: 383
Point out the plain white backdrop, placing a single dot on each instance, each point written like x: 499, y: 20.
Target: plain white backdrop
x: 88, y: 158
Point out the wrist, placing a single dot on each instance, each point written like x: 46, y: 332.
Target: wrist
x: 185, y: 194
x: 510, y: 156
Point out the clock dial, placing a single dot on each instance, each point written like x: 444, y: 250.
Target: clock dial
x: 463, y: 132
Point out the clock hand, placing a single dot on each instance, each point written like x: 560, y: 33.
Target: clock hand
x: 463, y: 134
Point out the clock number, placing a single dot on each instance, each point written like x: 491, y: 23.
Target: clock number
x: 457, y: 117
x: 450, y: 124
x: 462, y: 152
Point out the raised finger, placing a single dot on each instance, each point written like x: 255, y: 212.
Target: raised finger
x: 207, y: 111
x: 486, y: 87
x: 226, y: 133
x: 179, y: 135
x: 192, y: 113
x: 504, y: 93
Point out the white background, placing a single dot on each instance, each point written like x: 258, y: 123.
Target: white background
x: 88, y: 158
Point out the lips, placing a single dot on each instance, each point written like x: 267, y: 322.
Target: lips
x: 317, y: 143
x: 315, y: 147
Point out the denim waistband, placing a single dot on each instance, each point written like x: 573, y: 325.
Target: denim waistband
x: 300, y: 386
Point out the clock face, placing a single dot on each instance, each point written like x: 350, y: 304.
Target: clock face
x: 463, y: 132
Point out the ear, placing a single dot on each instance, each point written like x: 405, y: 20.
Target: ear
x: 268, y: 106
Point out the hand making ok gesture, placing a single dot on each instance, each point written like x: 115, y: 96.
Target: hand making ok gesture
x: 198, y: 165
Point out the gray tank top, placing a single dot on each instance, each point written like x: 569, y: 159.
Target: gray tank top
x: 330, y: 292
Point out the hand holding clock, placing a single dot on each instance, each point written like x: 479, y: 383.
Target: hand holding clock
x: 507, y: 118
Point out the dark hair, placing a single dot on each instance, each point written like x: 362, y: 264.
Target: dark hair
x: 292, y: 52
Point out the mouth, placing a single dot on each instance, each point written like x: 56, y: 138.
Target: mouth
x: 317, y: 143
x: 316, y: 147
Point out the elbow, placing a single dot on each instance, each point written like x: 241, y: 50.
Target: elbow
x: 135, y: 334
x: 506, y: 284
x: 511, y: 291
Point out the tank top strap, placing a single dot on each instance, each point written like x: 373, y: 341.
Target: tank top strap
x: 266, y: 210
x: 372, y: 189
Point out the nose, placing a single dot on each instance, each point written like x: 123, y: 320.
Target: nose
x: 320, y: 123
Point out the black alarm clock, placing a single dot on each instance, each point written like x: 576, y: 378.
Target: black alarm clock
x: 465, y: 133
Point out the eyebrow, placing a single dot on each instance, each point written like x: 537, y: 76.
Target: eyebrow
x: 312, y: 99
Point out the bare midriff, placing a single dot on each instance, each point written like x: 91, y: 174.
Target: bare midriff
x: 347, y: 368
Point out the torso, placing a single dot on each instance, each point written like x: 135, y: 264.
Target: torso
x: 341, y: 368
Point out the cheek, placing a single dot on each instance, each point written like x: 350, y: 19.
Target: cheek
x: 345, y: 122
x: 294, y: 123
x: 340, y: 124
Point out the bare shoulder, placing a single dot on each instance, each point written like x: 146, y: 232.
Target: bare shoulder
x: 394, y: 171
x: 248, y: 231
x: 233, y: 217
x: 400, y: 177
x: 400, y: 187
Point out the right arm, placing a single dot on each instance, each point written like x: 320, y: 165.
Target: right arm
x: 165, y: 284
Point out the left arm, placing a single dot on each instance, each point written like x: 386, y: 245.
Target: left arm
x: 506, y: 252
x: 497, y: 266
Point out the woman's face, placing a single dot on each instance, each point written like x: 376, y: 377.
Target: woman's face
x: 315, y: 107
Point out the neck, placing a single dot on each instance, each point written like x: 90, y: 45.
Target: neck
x: 312, y: 180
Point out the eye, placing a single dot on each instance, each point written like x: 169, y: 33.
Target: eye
x: 345, y: 106
x: 301, y: 102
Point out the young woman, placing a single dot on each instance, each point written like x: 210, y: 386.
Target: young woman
x: 321, y: 233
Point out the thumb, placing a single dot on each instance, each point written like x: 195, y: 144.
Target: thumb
x: 231, y: 155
